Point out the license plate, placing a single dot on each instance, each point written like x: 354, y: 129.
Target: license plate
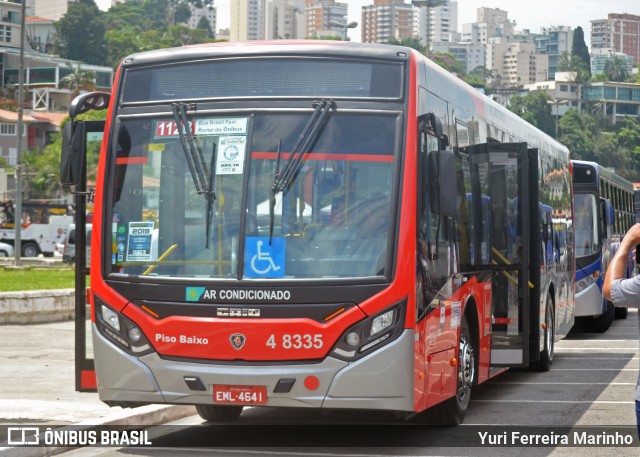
x: 240, y: 395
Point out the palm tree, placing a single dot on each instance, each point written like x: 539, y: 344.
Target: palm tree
x: 78, y: 79
x: 616, y: 69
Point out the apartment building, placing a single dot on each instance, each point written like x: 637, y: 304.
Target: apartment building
x: 490, y: 23
x: 436, y: 24
x: 326, y: 18
x: 386, y: 20
x: 620, y: 32
x: 51, y: 9
x: 285, y: 19
x: 554, y: 41
x: 617, y: 101
x: 517, y: 64
x: 247, y: 20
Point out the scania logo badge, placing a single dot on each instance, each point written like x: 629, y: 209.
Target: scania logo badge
x: 237, y: 341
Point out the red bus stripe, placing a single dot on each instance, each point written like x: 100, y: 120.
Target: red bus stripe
x: 327, y: 156
x: 131, y: 160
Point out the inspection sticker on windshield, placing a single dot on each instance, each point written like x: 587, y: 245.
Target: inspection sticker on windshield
x: 231, y: 155
x: 139, y: 243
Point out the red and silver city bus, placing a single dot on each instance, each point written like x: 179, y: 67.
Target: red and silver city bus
x: 317, y: 224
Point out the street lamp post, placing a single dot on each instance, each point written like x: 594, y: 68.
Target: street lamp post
x: 428, y: 4
x: 344, y: 26
x: 557, y: 102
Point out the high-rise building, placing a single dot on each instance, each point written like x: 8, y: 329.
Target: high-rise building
x: 620, y: 32
x: 386, y: 20
x: 600, y: 57
x: 285, y: 19
x: 326, y: 18
x: 490, y: 23
x: 517, y: 64
x: 435, y: 24
x: 51, y: 9
x: 209, y: 12
x: 247, y: 20
x: 554, y: 41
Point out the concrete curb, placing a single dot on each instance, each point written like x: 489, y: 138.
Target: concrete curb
x: 149, y: 415
x: 37, y: 306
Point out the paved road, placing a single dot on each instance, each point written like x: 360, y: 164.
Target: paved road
x: 591, y: 385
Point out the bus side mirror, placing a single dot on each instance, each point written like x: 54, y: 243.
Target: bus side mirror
x: 442, y: 182
x: 72, y: 158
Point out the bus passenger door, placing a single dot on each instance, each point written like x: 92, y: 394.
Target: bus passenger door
x: 500, y: 180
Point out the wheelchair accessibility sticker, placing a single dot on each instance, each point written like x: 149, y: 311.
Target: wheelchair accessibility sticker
x: 262, y: 260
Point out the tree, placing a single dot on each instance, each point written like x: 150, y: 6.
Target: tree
x: 615, y: 69
x: 80, y: 33
x: 447, y: 61
x: 412, y: 42
x: 576, y: 65
x: 534, y: 109
x: 579, y: 48
x: 204, y: 24
x: 575, y: 135
x: 78, y: 79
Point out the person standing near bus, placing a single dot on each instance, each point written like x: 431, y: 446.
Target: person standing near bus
x: 624, y: 292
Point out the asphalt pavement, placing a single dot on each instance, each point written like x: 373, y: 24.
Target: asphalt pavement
x: 37, y: 386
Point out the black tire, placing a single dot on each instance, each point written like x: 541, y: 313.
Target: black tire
x: 4, y: 253
x: 621, y: 313
x: 602, y: 323
x: 215, y: 413
x: 453, y: 410
x: 546, y: 356
x: 30, y: 249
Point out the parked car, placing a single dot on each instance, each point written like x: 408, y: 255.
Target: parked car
x: 6, y: 250
x: 69, y: 252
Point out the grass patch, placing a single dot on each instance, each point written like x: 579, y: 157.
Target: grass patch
x: 16, y: 279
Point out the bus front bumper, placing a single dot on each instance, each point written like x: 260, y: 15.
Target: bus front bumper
x: 383, y: 380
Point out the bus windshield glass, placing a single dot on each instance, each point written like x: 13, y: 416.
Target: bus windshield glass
x: 204, y: 205
x: 586, y: 223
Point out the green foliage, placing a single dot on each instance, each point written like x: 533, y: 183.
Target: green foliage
x: 575, y: 64
x: 447, y: 61
x: 80, y: 33
x: 17, y: 279
x: 615, y: 69
x: 203, y: 24
x: 590, y: 137
x: 579, y: 48
x: 413, y: 43
x: 533, y: 108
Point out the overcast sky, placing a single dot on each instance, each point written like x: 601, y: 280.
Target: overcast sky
x: 532, y: 14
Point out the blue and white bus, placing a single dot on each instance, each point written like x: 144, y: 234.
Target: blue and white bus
x: 604, y: 211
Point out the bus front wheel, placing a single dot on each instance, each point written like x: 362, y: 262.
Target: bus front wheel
x: 453, y: 410
x: 214, y: 413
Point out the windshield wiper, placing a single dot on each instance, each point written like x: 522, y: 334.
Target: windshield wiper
x: 272, y: 200
x: 211, y: 193
x: 305, y: 142
x: 193, y: 154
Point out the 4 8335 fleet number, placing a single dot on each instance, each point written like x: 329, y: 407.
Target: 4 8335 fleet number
x: 296, y: 341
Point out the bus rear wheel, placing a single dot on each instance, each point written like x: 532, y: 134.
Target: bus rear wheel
x: 602, y: 323
x: 453, y: 410
x: 215, y: 413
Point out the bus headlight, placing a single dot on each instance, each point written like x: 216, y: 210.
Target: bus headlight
x: 120, y: 330
x: 371, y: 333
x: 110, y: 317
x: 382, y: 322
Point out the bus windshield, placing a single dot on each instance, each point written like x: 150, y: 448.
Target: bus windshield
x: 586, y: 223
x: 331, y: 220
